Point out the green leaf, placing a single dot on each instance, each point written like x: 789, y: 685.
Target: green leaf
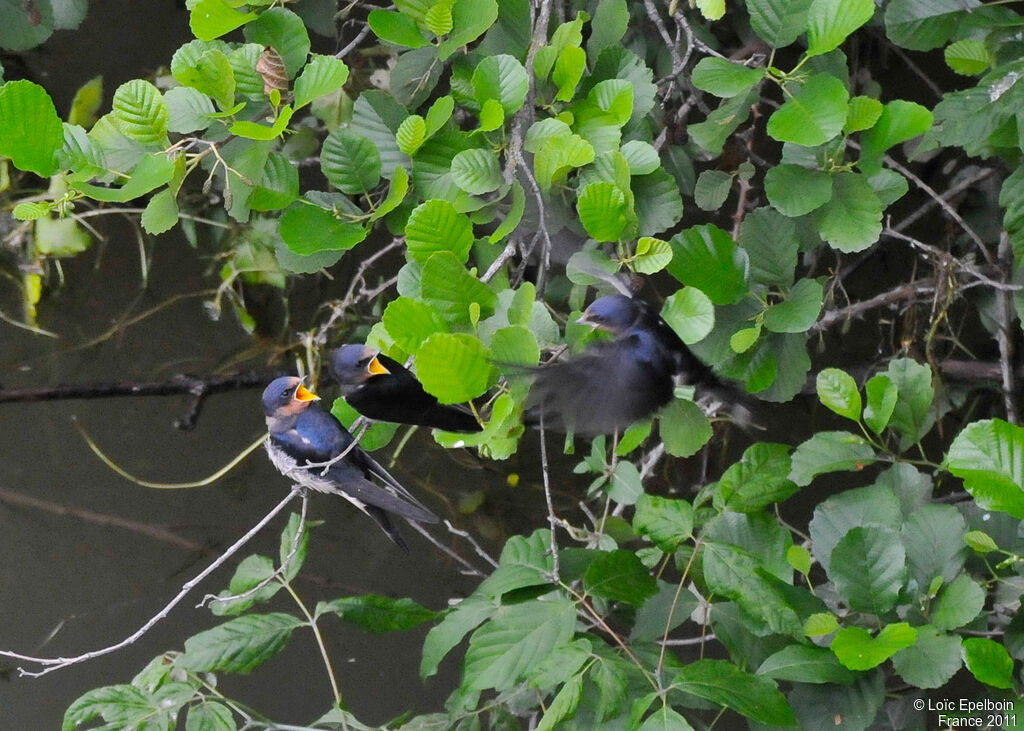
x: 120, y: 705
x: 852, y: 220
x: 690, y: 314
x: 712, y: 189
x: 396, y: 28
x: 641, y: 157
x: 470, y: 18
x: 813, y: 115
x: 882, y: 395
x: 210, y: 716
x: 900, y: 121
x: 161, y: 213
x: 378, y: 435
x: 778, y: 22
x: 477, y: 171
x: 283, y: 31
x: 858, y: 650
x: 377, y: 614
x: 438, y: 18
x: 712, y: 133
x: 830, y: 22
x: 625, y: 486
x: 913, y: 415
x: 724, y: 78
x: 769, y: 238
x: 453, y: 291
x: 707, y: 258
x: 85, y: 107
x: 821, y: 624
x: 140, y: 112
x: 968, y: 56
x: 799, y: 558
x: 257, y: 131
x: 239, y: 645
x: 59, y: 237
x: 988, y: 661
x: 980, y: 542
x: 805, y: 664
x: 33, y: 133
x: 663, y: 718
x: 721, y: 682
x: 514, y: 215
x: 862, y: 113
x: 445, y: 635
x: 501, y: 77
x: 799, y: 311
x: 435, y: 226
x: 153, y: 171
x: 922, y: 25
x: 31, y: 210
x: 743, y: 340
x: 603, y: 211
x: 568, y: 71
x: 563, y: 705
x: 206, y: 68
x: 652, y: 255
x: 453, y: 367
x: 279, y: 186
x: 308, y: 230
x: 350, y: 161
x: 188, y: 109
x: 668, y: 522
x: 830, y: 451
x: 516, y: 640
x: 838, y: 392
x: 323, y: 75
x: 868, y: 566
x: 609, y: 25
x: 620, y: 576
x: 960, y: 603
x: 657, y: 202
x: 760, y: 478
x: 411, y: 134
x: 213, y: 18
x: 931, y: 661
x: 492, y: 115
x: 684, y: 428
x: 711, y: 9
x: 409, y: 322
x: 794, y: 190
x: 989, y: 457
x: 836, y: 516
x: 250, y: 573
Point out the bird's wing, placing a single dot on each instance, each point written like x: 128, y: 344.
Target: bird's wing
x: 372, y: 467
x: 392, y: 498
x: 604, y: 389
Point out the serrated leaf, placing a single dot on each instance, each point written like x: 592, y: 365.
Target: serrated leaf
x: 868, y: 567
x: 988, y: 661
x: 799, y: 311
x: 706, y: 257
x: 839, y: 393
x: 913, y: 414
x: 397, y: 28
x: 931, y: 661
x: 239, y: 645
x: 161, y: 213
x: 323, y: 75
x: 412, y: 133
x: 350, y: 161
x: 794, y: 190
x: 830, y: 451
x: 263, y: 132
x: 602, y: 210
x: 830, y: 22
x: 377, y: 614
x: 123, y: 705
x: 968, y: 56
x: 652, y: 255
x: 852, y: 220
x: 813, y: 115
x: 989, y: 457
x: 619, y: 576
x: 760, y: 478
x: 503, y: 78
x: 308, y: 230
x: 453, y: 367
x: 778, y: 22
x: 396, y: 194
x: 435, y: 226
x: 684, y: 428
x: 881, y: 401
x: 858, y: 650
x: 285, y: 32
x: 721, y: 682
x: 152, y: 171
x: 453, y: 291
x: 32, y: 131
x: 862, y: 113
x: 516, y: 640
x: 805, y: 664
x: 724, y: 78
x: 188, y: 109
x: 514, y: 215
x: 477, y: 171
x: 213, y: 18
x: 900, y: 121
x: 712, y: 189
x: 568, y: 71
x: 668, y: 522
x: 958, y: 604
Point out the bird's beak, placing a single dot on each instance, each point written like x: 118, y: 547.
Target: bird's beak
x: 583, y: 320
x: 304, y: 394
x: 376, y: 368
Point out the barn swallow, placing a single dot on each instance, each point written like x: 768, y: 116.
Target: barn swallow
x: 303, y: 437
x: 616, y: 382
x: 382, y: 389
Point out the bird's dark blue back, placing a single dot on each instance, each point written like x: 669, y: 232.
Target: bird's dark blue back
x: 316, y: 436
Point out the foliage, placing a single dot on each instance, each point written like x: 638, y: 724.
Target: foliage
x: 506, y: 134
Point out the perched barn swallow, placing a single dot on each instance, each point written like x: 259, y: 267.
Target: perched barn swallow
x: 302, y: 434
x: 382, y: 389
x: 616, y: 382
